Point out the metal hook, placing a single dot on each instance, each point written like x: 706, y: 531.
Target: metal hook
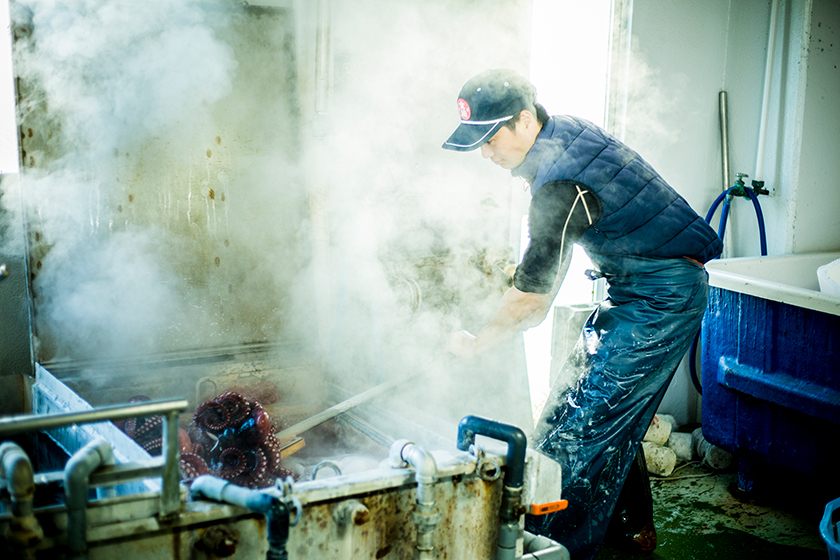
x: 329, y: 464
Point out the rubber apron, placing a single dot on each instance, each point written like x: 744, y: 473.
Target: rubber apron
x: 610, y: 387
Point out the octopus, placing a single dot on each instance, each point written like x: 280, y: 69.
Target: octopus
x: 147, y: 432
x: 230, y: 437
x: 235, y: 438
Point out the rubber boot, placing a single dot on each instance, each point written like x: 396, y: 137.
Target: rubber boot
x: 631, y: 528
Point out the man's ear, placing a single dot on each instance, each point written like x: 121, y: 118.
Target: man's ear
x: 526, y: 117
x: 529, y: 122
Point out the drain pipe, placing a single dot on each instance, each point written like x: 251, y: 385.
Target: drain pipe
x: 724, y: 138
x: 90, y: 457
x: 514, y: 481
x: 16, y: 468
x: 275, y: 510
x: 538, y: 547
x: 758, y: 178
x: 427, y: 515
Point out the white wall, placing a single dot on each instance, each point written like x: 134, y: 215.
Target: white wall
x: 816, y: 208
x: 682, y: 54
x: 677, y: 62
x: 801, y: 166
x: 676, y: 71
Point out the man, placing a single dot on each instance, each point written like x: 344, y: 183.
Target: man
x: 589, y: 188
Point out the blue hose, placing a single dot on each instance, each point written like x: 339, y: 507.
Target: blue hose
x: 726, y: 198
x: 715, y: 204
x: 760, y: 217
x: 724, y: 215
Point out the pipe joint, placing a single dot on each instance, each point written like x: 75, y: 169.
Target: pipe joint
x: 470, y: 426
x: 275, y: 509
x: 23, y: 529
x: 426, y: 517
x: 90, y: 457
x: 406, y: 453
x: 95, y: 454
x: 351, y: 512
x: 16, y: 468
x: 511, y: 507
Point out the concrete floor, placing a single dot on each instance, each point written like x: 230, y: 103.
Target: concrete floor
x: 698, y: 518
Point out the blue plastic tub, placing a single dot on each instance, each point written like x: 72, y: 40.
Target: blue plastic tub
x: 830, y: 529
x: 771, y: 368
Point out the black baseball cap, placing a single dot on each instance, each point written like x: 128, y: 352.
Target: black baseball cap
x: 486, y: 103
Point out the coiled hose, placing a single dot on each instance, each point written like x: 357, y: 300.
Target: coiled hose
x: 726, y: 198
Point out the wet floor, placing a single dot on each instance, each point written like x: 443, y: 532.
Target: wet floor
x: 697, y: 517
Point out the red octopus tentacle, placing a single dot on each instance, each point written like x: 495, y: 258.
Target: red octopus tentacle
x: 232, y: 463
x: 153, y: 445
x: 255, y: 477
x: 237, y: 407
x: 192, y: 466
x: 212, y: 416
x: 284, y: 473
x: 271, y: 447
x: 130, y: 427
x: 262, y: 422
x: 185, y: 444
x: 146, y: 429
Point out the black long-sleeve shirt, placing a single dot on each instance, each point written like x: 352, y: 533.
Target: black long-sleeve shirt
x: 560, y: 212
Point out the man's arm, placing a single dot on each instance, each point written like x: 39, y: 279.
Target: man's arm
x: 517, y: 312
x: 560, y: 213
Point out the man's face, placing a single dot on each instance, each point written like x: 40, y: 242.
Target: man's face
x: 508, y: 148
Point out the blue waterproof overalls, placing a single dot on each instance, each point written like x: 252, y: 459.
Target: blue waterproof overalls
x: 649, y: 245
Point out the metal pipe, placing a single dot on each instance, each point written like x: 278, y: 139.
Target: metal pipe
x: 322, y: 58
x: 724, y: 138
x: 341, y: 408
x: 16, y: 468
x: 538, y: 547
x: 93, y: 455
x: 24, y: 423
x: 768, y: 84
x: 275, y: 509
x: 513, y: 436
x: 170, y: 497
x: 514, y: 480
x: 329, y: 464
x: 426, y: 516
x: 170, y: 494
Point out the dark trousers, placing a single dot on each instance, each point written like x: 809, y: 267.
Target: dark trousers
x: 621, y: 366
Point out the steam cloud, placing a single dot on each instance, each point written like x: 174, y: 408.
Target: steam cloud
x: 172, y: 202
x: 112, y: 80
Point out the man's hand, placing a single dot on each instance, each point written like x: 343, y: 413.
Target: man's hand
x: 461, y: 344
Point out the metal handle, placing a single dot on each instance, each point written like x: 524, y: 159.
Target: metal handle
x: 23, y: 423
x: 170, y: 499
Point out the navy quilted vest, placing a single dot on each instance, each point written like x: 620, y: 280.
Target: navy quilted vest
x: 642, y: 215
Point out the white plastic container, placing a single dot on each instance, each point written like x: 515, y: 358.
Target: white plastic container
x: 829, y: 277
x: 790, y: 279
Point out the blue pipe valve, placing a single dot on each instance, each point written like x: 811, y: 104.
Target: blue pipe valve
x: 739, y: 186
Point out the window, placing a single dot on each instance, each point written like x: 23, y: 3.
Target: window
x: 569, y: 68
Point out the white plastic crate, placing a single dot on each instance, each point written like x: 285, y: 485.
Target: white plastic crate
x: 829, y: 277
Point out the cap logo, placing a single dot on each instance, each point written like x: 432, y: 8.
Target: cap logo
x: 464, y: 109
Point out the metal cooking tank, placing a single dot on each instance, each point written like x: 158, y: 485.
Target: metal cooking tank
x: 370, y: 512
